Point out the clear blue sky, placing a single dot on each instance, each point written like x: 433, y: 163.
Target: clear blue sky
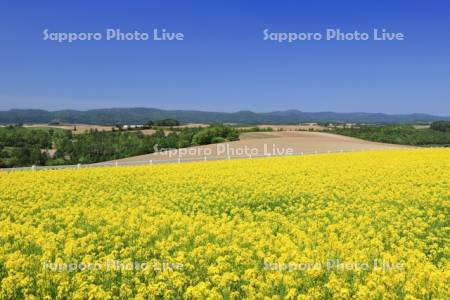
x: 224, y: 64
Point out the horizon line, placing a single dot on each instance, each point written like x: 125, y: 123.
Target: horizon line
x: 223, y: 112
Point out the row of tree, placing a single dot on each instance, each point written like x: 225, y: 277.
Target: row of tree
x: 17, y: 136
x: 443, y: 126
x: 23, y: 146
x: 438, y: 134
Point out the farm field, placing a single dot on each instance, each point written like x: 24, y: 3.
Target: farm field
x: 262, y: 143
x: 276, y: 127
x: 367, y: 225
x: 80, y: 128
x: 84, y: 128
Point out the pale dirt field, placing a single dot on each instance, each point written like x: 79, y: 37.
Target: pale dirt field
x: 421, y: 126
x: 265, y: 143
x: 314, y: 126
x: 303, y: 126
x: 309, y: 126
x: 149, y: 131
x: 192, y: 125
x: 81, y: 128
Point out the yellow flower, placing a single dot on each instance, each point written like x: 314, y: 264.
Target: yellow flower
x: 366, y: 225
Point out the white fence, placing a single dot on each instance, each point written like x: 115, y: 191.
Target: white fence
x: 175, y: 160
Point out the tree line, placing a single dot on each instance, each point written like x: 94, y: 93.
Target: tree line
x: 24, y: 146
x: 438, y: 134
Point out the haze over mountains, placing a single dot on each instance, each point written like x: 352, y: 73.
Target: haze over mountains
x: 139, y: 115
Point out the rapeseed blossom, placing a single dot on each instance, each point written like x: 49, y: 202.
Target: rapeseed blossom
x: 366, y: 225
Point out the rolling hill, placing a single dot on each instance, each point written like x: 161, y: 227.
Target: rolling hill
x: 141, y: 115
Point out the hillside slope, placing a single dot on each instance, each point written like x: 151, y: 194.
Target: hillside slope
x: 142, y: 115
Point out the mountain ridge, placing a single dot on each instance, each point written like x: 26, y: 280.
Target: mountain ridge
x: 139, y: 115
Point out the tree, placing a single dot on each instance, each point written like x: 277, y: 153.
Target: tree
x: 206, y: 135
x: 443, y: 126
x: 166, y: 122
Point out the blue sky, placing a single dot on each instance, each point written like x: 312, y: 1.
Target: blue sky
x: 223, y: 64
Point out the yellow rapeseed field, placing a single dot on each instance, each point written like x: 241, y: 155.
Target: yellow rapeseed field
x: 369, y: 225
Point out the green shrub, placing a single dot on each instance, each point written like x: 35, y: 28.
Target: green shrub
x: 443, y: 126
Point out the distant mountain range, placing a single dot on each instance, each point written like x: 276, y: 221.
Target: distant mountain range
x: 111, y: 116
